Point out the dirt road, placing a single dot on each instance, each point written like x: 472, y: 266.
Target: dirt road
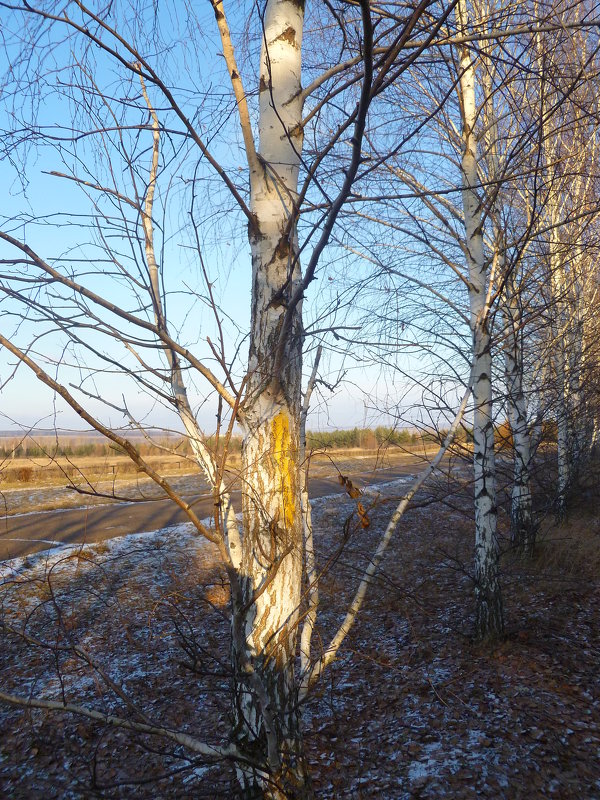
x: 21, y: 534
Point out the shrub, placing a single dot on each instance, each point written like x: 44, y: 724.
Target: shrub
x: 25, y: 474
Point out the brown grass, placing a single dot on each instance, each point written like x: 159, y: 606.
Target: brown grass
x: 412, y: 708
x: 34, y: 472
x: 572, y: 547
x: 49, y: 472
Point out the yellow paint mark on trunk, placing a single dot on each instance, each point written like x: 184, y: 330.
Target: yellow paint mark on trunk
x: 282, y: 453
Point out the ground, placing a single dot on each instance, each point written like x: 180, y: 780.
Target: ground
x: 413, y: 708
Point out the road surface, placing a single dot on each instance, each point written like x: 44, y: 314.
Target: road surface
x: 22, y: 534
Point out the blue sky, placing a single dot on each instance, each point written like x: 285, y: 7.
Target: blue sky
x: 201, y: 81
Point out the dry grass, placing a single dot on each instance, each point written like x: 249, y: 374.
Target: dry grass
x: 19, y: 472
x: 412, y: 708
x: 571, y: 548
x: 24, y: 471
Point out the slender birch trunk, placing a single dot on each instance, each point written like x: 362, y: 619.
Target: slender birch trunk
x: 588, y: 424
x: 555, y: 206
x: 576, y: 419
x: 489, y: 620
x: 522, y: 527
x: 521, y: 515
x: 559, y: 358
x: 225, y: 520
x: 310, y: 566
x: 267, y: 721
x: 579, y: 432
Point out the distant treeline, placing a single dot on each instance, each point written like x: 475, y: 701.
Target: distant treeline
x: 365, y: 438
x: 26, y: 448
x: 382, y: 436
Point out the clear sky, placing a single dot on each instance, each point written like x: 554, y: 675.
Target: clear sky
x: 60, y: 221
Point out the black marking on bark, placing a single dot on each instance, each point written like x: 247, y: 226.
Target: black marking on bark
x: 288, y: 35
x: 278, y: 299
x: 262, y: 85
x: 283, y: 247
x: 254, y: 229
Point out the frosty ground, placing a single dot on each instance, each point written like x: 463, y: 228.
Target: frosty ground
x: 412, y: 708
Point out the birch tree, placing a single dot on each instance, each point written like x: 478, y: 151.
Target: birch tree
x: 483, y: 149
x: 446, y: 164
x: 145, y: 137
x: 489, y: 619
x: 567, y: 210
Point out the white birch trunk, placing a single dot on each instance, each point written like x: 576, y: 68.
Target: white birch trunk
x: 595, y: 437
x: 559, y: 359
x: 310, y: 566
x: 552, y: 142
x: 225, y: 517
x: 489, y: 614
x: 576, y: 361
x: 576, y: 417
x: 588, y: 424
x: 522, y: 528
x: 267, y: 722
x: 521, y: 516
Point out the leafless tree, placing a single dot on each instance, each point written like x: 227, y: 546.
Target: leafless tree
x: 147, y: 131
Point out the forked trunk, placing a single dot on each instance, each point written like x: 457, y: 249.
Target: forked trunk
x: 522, y: 529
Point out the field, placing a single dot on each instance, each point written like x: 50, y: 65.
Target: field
x: 35, y: 484
x: 54, y: 461
x: 411, y: 709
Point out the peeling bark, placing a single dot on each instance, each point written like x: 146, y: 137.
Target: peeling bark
x: 266, y: 615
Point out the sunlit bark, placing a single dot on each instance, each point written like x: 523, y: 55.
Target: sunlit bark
x: 489, y: 615
x: 310, y: 567
x: 522, y: 526
x: 265, y: 621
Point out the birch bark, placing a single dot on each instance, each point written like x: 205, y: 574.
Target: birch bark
x: 489, y: 620
x: 558, y: 331
x: 265, y: 615
x: 522, y: 526
x: 521, y: 516
x: 225, y: 519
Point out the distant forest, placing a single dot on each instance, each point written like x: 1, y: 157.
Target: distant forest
x: 365, y: 438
